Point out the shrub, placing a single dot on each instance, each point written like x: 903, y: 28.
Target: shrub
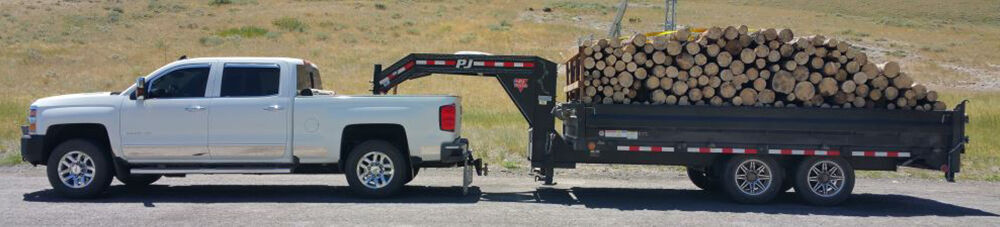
x: 290, y: 24
x: 211, y: 41
x: 220, y: 2
x: 244, y: 32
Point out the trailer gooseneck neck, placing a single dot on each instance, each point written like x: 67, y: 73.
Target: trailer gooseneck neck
x: 530, y: 81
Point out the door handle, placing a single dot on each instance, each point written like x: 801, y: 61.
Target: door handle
x: 273, y: 108
x: 194, y: 108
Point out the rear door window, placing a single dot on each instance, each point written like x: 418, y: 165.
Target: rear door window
x: 249, y: 80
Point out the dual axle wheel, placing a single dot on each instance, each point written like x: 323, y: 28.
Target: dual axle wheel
x: 759, y: 179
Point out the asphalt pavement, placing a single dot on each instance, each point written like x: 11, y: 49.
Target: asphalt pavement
x: 590, y: 197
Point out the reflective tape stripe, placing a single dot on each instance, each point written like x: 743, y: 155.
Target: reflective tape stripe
x: 725, y: 150
x: 646, y: 148
x: 887, y: 154
x: 806, y: 152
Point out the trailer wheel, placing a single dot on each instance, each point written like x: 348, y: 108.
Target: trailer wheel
x: 703, y: 179
x: 375, y: 168
x: 752, y: 179
x: 824, y: 181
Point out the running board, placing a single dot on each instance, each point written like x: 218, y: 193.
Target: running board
x: 210, y: 170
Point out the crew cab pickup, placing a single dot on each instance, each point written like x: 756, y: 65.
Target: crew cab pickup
x: 239, y: 116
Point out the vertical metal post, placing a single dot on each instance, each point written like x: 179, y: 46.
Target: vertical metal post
x: 670, y: 13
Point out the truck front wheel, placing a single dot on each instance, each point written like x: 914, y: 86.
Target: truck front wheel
x: 375, y: 168
x: 79, y: 169
x: 752, y: 179
x: 824, y: 181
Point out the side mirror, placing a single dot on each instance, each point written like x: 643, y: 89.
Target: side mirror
x: 140, y: 88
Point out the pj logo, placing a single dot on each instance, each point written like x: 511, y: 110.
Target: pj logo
x: 520, y: 84
x: 464, y: 63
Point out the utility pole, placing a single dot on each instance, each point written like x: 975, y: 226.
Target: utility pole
x: 670, y: 22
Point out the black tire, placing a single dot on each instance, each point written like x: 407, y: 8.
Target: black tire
x: 101, y: 162
x: 395, y: 182
x: 415, y: 171
x: 703, y: 179
x: 789, y: 182
x: 804, y: 189
x: 769, y: 189
x: 139, y: 180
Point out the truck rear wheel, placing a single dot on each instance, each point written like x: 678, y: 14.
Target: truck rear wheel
x: 752, y: 179
x: 139, y: 180
x: 375, y: 168
x: 79, y: 169
x: 703, y: 179
x: 824, y: 181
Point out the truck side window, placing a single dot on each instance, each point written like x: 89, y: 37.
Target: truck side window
x: 182, y: 83
x: 246, y: 80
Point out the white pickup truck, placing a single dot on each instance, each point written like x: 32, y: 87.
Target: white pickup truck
x: 239, y: 116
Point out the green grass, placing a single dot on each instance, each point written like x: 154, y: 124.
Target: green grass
x: 244, y: 32
x: 290, y: 24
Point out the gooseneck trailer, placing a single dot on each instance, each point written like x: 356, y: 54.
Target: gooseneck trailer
x: 750, y: 153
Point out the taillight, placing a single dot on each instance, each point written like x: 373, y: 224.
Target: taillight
x: 32, y: 120
x: 447, y: 117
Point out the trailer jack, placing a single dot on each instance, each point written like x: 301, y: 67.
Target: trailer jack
x: 467, y: 168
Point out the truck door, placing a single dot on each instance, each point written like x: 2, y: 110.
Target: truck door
x: 249, y: 121
x: 170, y: 124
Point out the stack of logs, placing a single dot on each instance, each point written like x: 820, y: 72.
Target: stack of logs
x: 734, y: 67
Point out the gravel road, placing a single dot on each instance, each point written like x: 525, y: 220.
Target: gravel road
x: 591, y: 196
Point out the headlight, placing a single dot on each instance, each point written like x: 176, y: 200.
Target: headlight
x: 32, y: 119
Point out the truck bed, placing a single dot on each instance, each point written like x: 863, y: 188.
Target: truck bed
x: 872, y: 139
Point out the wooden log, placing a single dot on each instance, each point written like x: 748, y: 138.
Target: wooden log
x: 712, y: 50
x: 658, y: 96
x: 736, y: 67
x: 714, y: 33
x: 702, y: 80
x: 611, y: 60
x: 766, y: 97
x: 694, y: 94
x: 761, y: 51
x: 740, y: 79
x: 672, y: 72
x: 747, y: 56
x: 692, y: 48
x: 783, y: 82
x: 841, y: 75
x: 711, y: 69
x: 902, y: 81
x: 723, y: 59
x: 700, y: 59
x: 773, y: 56
x: 648, y: 48
x: 785, y: 35
x: 862, y: 90
x: 674, y: 48
x: 731, y: 33
x: 666, y: 83
x: 727, y: 90
x: 590, y: 91
x: 589, y: 63
x: 639, y: 58
x: 652, y: 83
x: 861, y: 58
x: 939, y: 106
x: 828, y: 86
x: 707, y: 93
x: 695, y: 71
x: 800, y: 74
x: 679, y: 88
x: 752, y: 73
x: 860, y: 78
x: 891, y: 93
x: 620, y: 66
x: 714, y: 81
x: 848, y: 86
x: 760, y: 84
x: 659, y: 57
x: 631, y: 66
x: 748, y: 96
x: 875, y: 95
x: 671, y: 100
x: 628, y: 57
x: 685, y: 61
x: 640, y: 73
x: 804, y: 90
x: 931, y: 96
x: 815, y: 77
x: 889, y: 69
x: 786, y: 50
x: 765, y: 74
x: 830, y: 69
x: 625, y: 79
x: 726, y: 75
x: 638, y: 40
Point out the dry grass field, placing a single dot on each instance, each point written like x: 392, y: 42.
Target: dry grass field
x: 50, y: 47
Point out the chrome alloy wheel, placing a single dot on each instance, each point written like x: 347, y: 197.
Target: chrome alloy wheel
x: 76, y: 169
x: 825, y: 178
x: 753, y: 177
x: 375, y: 170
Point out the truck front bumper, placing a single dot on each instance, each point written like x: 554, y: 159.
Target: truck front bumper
x: 32, y: 147
x: 454, y: 152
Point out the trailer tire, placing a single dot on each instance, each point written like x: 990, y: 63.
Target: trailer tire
x: 752, y: 179
x: 69, y: 165
x: 703, y: 180
x: 382, y: 163
x: 828, y: 169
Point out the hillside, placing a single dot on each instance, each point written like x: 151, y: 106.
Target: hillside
x: 52, y: 47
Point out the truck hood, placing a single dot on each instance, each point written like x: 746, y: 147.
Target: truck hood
x: 82, y: 99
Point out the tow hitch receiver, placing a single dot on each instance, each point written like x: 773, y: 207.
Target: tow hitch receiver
x: 467, y: 167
